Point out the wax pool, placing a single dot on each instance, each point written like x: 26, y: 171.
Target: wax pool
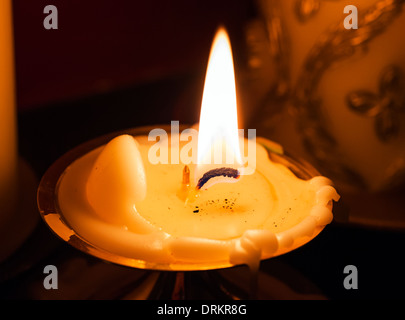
x: 261, y: 215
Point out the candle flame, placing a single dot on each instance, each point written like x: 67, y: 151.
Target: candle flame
x: 218, y: 140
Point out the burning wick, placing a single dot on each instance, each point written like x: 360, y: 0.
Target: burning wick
x: 225, y: 172
x: 186, y: 176
x: 188, y: 195
x: 185, y: 184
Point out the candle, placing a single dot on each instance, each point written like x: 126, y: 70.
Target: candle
x: 120, y: 199
x: 8, y: 142
x: 271, y: 207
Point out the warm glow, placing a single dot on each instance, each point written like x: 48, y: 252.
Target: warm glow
x: 218, y: 141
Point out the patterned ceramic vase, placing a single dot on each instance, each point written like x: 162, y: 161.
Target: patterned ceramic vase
x: 346, y: 86
x: 345, y: 89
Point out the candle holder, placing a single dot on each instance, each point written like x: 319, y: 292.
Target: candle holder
x: 171, y: 282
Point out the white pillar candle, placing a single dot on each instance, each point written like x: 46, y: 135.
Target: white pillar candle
x: 8, y: 140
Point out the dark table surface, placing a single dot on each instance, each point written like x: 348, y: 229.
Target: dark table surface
x: 314, y: 271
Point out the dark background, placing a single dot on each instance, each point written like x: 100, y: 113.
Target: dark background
x: 113, y: 65
x: 104, y: 45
